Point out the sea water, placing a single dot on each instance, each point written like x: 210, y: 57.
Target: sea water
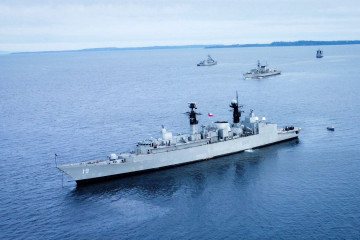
x: 85, y: 105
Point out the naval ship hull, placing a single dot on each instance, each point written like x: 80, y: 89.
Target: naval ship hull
x: 261, y: 75
x: 84, y: 173
x: 206, y: 64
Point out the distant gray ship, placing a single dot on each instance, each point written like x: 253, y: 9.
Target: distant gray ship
x: 319, y: 53
x: 208, y: 62
x: 219, y: 139
x: 261, y: 71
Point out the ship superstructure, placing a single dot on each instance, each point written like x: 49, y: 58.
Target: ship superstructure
x: 261, y: 71
x: 208, y: 62
x: 220, y: 138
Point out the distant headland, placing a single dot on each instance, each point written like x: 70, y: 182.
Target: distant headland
x: 273, y: 44
x: 287, y: 44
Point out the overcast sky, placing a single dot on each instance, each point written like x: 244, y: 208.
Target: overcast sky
x: 36, y: 25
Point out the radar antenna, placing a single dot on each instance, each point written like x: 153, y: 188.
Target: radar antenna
x: 235, y: 106
x: 192, y: 114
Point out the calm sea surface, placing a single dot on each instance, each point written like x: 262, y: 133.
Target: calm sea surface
x: 86, y: 105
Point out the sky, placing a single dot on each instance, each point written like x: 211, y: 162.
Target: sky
x: 46, y: 25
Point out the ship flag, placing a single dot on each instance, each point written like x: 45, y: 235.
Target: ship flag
x: 210, y: 115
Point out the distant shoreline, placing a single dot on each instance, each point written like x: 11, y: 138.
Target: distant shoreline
x: 273, y: 44
x: 289, y: 44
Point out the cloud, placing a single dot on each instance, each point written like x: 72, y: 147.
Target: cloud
x: 36, y: 25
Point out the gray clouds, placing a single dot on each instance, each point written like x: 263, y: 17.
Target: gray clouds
x: 57, y: 25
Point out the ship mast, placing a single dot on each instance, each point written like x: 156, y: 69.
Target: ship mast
x: 192, y: 116
x: 235, y: 106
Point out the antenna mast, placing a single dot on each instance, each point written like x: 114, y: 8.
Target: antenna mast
x: 236, y: 112
x: 192, y: 116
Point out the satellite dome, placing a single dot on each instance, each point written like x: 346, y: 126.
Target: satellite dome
x: 234, y: 101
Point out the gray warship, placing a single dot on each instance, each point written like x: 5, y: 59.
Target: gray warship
x: 319, y: 53
x: 208, y: 62
x: 261, y: 71
x: 219, y: 139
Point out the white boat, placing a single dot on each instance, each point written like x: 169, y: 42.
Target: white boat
x: 208, y: 62
x: 219, y: 139
x: 319, y: 53
x: 261, y: 71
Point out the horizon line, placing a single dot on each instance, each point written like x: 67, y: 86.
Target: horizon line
x: 272, y: 44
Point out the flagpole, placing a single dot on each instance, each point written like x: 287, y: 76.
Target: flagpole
x: 55, y: 159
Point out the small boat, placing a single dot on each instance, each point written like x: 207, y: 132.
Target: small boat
x: 319, y: 53
x: 208, y: 62
x: 261, y: 71
x: 330, y: 128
